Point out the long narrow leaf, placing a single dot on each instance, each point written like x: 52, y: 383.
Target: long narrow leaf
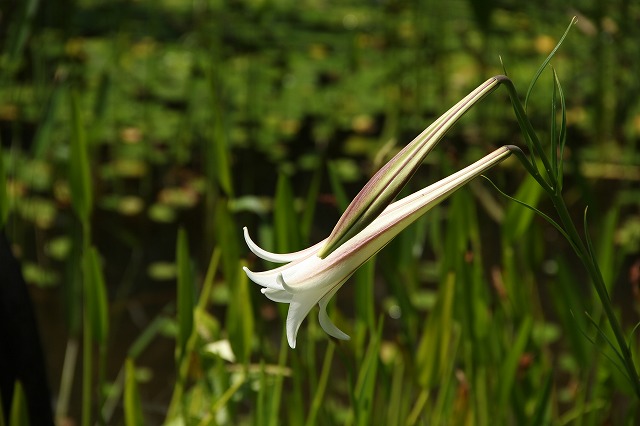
x: 79, y: 170
x: 4, y: 199
x: 542, y: 411
x: 509, y: 369
x: 322, y: 386
x: 19, y: 415
x: 539, y: 212
x: 96, y: 296
x: 546, y: 61
x: 132, y: 405
x: 562, y: 136
x: 186, y: 291
x: 240, y: 324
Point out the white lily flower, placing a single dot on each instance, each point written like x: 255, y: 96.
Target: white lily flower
x: 308, y: 279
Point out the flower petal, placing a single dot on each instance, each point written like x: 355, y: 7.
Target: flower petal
x: 325, y: 321
x: 280, y: 296
x: 265, y: 279
x: 277, y: 257
x: 301, y: 304
x: 385, y: 185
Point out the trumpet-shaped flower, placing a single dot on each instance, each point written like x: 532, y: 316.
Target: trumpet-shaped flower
x: 312, y: 276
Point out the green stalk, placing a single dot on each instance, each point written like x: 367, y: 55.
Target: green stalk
x: 579, y: 246
x: 530, y: 135
x: 596, y: 276
x: 87, y: 392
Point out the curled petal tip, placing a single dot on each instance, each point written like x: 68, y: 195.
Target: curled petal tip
x: 281, y: 282
x: 263, y: 279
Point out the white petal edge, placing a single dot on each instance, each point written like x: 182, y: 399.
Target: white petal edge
x: 278, y: 257
x: 280, y: 296
x: 325, y: 322
x: 265, y: 279
x: 299, y: 308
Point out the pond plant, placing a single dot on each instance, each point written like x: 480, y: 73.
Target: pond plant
x: 450, y: 341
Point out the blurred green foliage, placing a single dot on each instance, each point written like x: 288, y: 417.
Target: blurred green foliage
x: 149, y: 116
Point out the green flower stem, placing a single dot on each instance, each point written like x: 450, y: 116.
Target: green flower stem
x: 580, y: 247
x: 532, y: 169
x: 593, y: 269
x: 530, y: 135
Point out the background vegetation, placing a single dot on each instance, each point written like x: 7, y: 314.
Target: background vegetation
x: 138, y: 137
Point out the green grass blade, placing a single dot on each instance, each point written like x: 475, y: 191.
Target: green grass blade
x: 132, y: 405
x: 510, y: 365
x: 276, y: 393
x: 322, y: 385
x: 609, y: 343
x: 19, y: 415
x: 285, y: 217
x: 310, y: 203
x: 364, y: 298
x: 342, y: 200
x: 96, y: 296
x: 42, y: 139
x: 217, y: 148
x: 19, y: 32
x: 147, y: 335
x: 185, y: 292
x: 517, y: 219
x: 562, y: 136
x: 546, y: 61
x: 504, y: 67
x: 539, y: 212
x: 367, y: 380
x: 606, y: 253
x: 79, y: 169
x: 4, y: 199
x: 553, y: 151
x: 227, y: 235
x: 240, y: 323
x: 434, y: 349
x: 396, y: 402
x: 542, y: 412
